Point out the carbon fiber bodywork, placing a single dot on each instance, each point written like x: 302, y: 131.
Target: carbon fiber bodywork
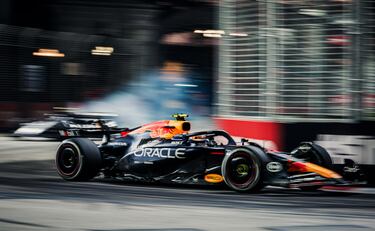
x: 165, y: 151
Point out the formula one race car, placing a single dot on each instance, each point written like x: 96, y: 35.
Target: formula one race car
x: 165, y: 151
x: 62, y: 125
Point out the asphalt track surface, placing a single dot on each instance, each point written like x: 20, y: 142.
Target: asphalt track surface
x: 34, y: 197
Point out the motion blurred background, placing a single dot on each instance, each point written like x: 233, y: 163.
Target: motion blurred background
x: 277, y: 71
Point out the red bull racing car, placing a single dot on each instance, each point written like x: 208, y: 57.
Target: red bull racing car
x: 166, y: 151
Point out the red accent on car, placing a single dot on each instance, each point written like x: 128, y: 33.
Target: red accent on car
x: 296, y: 166
x: 217, y: 153
x: 341, y: 188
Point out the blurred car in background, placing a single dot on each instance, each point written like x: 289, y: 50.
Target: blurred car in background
x: 59, y: 125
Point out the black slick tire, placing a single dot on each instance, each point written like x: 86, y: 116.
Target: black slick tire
x: 251, y: 177
x: 78, y: 159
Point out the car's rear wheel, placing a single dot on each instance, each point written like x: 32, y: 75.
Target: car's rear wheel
x: 78, y: 159
x: 242, y: 170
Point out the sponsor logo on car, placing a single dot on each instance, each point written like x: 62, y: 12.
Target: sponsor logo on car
x: 274, y: 166
x: 169, y: 153
x: 117, y: 143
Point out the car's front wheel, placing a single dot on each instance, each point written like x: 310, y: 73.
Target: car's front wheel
x: 242, y: 170
x: 78, y: 159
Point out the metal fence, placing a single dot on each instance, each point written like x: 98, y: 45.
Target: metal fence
x: 368, y: 59
x: 297, y: 60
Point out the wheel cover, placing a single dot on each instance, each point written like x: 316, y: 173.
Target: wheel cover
x: 241, y: 170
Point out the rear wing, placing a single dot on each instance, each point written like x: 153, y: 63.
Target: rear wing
x: 98, y: 132
x: 91, y: 133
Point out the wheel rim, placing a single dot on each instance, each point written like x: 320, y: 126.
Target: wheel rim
x: 241, y: 170
x: 68, y: 160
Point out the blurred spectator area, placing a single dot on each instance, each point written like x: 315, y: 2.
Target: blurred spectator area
x: 93, y: 48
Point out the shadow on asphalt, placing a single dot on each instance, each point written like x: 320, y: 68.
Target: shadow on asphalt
x: 36, y: 175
